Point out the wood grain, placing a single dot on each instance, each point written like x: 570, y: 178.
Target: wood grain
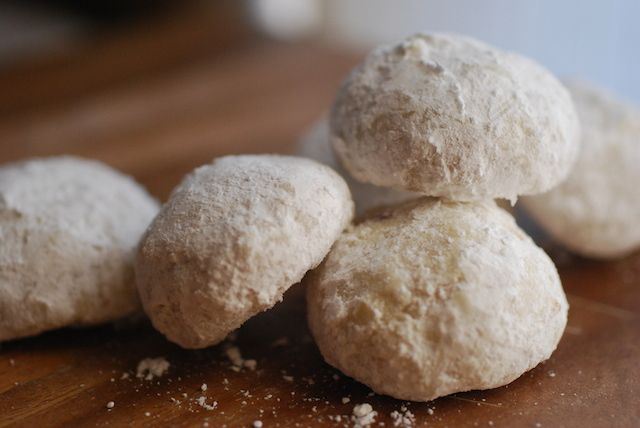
x: 260, y: 99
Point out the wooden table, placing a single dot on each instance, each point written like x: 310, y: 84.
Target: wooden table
x: 161, y: 124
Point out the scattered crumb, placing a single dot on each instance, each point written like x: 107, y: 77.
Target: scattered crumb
x: 288, y: 378
x: 125, y: 375
x: 403, y: 418
x: 552, y: 373
x: 110, y: 405
x: 345, y: 400
x: 12, y: 362
x: 147, y: 414
x: 202, y: 402
x: 363, y: 415
x: 203, y: 387
x: 152, y: 367
x: 257, y: 424
x: 430, y: 410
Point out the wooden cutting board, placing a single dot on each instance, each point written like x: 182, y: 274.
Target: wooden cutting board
x: 158, y: 125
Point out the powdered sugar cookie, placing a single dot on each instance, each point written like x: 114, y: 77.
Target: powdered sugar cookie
x: 315, y: 145
x: 595, y: 211
x: 233, y: 237
x: 69, y: 229
x: 432, y: 298
x: 448, y: 116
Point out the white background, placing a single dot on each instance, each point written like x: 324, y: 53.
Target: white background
x: 597, y: 40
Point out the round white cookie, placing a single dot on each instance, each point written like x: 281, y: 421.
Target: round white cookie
x: 448, y: 116
x: 595, y: 212
x: 315, y: 145
x: 432, y: 297
x: 69, y: 228
x: 233, y: 237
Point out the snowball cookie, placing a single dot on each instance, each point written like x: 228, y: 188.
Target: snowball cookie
x: 448, y: 116
x: 315, y: 145
x: 233, y: 237
x: 69, y: 228
x: 434, y: 297
x: 596, y: 211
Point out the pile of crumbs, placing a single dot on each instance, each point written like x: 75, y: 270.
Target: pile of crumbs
x: 235, y: 357
x: 152, y: 367
x: 403, y: 418
x: 363, y: 415
x: 202, y: 402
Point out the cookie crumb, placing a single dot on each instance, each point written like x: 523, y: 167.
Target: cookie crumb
x: 203, y: 387
x: 110, y: 405
x: 150, y: 368
x: 363, y: 415
x: 345, y: 400
x: 202, y: 402
x: 257, y: 424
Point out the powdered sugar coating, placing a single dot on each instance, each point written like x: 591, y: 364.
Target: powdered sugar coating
x: 595, y: 212
x: 315, y: 145
x: 69, y: 228
x: 448, y: 116
x: 233, y: 237
x: 432, y: 298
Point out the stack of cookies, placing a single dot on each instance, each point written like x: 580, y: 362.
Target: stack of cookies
x: 444, y: 293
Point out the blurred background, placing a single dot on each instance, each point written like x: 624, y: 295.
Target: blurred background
x: 597, y: 40
x: 157, y: 87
